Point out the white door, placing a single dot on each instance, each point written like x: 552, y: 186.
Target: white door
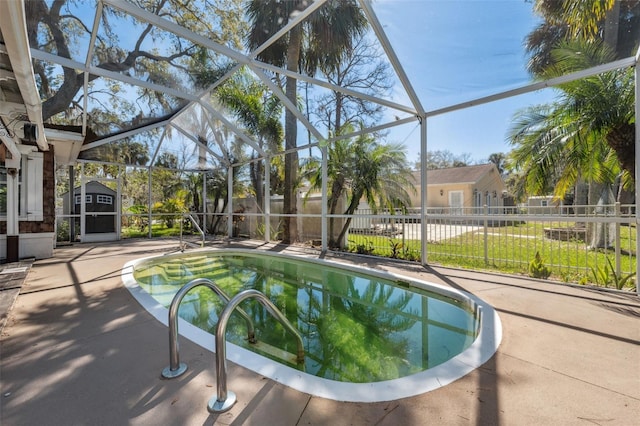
x: 455, y: 202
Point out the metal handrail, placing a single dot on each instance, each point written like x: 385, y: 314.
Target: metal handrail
x: 176, y: 368
x: 223, y: 400
x: 194, y: 222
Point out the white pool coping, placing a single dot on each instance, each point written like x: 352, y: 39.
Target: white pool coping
x: 479, y: 352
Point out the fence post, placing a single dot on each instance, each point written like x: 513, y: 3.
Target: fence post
x: 486, y: 242
x: 617, y: 240
x: 404, y: 220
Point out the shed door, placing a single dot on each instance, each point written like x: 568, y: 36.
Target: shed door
x: 100, y: 209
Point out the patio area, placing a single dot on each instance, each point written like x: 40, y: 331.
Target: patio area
x: 77, y: 349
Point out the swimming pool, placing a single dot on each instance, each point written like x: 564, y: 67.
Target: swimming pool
x: 369, y: 335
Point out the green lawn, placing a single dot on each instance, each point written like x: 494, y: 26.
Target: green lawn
x: 157, y: 230
x: 510, y: 249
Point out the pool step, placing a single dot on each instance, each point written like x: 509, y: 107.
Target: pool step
x: 197, y: 266
x: 276, y: 353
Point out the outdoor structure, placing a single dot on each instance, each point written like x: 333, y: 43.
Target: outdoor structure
x: 190, y: 127
x: 544, y: 204
x: 248, y: 214
x: 147, y: 113
x: 100, y: 207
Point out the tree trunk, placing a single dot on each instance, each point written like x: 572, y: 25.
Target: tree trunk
x: 622, y: 139
x: 611, y: 26
x: 336, y: 193
x: 602, y: 235
x: 290, y: 230
x: 338, y: 116
x: 353, y: 205
x: 257, y: 180
x: 581, y: 197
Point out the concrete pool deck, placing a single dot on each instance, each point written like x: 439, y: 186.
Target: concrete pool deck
x: 77, y: 349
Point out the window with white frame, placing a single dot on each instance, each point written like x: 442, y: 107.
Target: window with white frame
x: 87, y: 198
x: 104, y: 199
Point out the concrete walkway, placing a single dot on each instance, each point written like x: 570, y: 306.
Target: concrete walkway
x: 77, y: 349
x: 12, y: 276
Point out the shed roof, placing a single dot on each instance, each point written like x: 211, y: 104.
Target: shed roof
x: 93, y: 187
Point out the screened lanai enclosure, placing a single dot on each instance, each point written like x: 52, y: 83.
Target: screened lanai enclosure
x: 484, y: 134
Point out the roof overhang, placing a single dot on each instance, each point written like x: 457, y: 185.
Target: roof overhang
x: 14, y: 32
x: 67, y: 145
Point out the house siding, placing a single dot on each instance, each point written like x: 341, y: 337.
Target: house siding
x: 490, y: 181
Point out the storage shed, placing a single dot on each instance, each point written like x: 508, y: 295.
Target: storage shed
x: 100, y: 206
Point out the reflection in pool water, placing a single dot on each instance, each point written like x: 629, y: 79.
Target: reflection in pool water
x: 356, y: 328
x: 369, y: 335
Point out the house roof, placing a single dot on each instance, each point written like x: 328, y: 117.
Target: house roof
x: 466, y: 174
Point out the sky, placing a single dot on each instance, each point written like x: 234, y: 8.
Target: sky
x: 455, y: 51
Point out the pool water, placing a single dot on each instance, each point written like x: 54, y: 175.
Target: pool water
x: 355, y: 328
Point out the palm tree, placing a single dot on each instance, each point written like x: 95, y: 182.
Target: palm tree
x: 260, y: 113
x: 589, y: 132
x: 601, y: 105
x: 611, y: 21
x: 363, y: 169
x: 551, y: 153
x: 217, y: 188
x: 339, y: 172
x: 318, y: 42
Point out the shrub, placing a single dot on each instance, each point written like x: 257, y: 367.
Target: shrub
x: 607, y: 275
x: 537, y: 268
x: 363, y: 248
x: 62, y: 232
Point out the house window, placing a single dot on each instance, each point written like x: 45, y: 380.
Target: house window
x: 477, y: 202
x: 87, y: 199
x: 104, y: 199
x: 544, y: 203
